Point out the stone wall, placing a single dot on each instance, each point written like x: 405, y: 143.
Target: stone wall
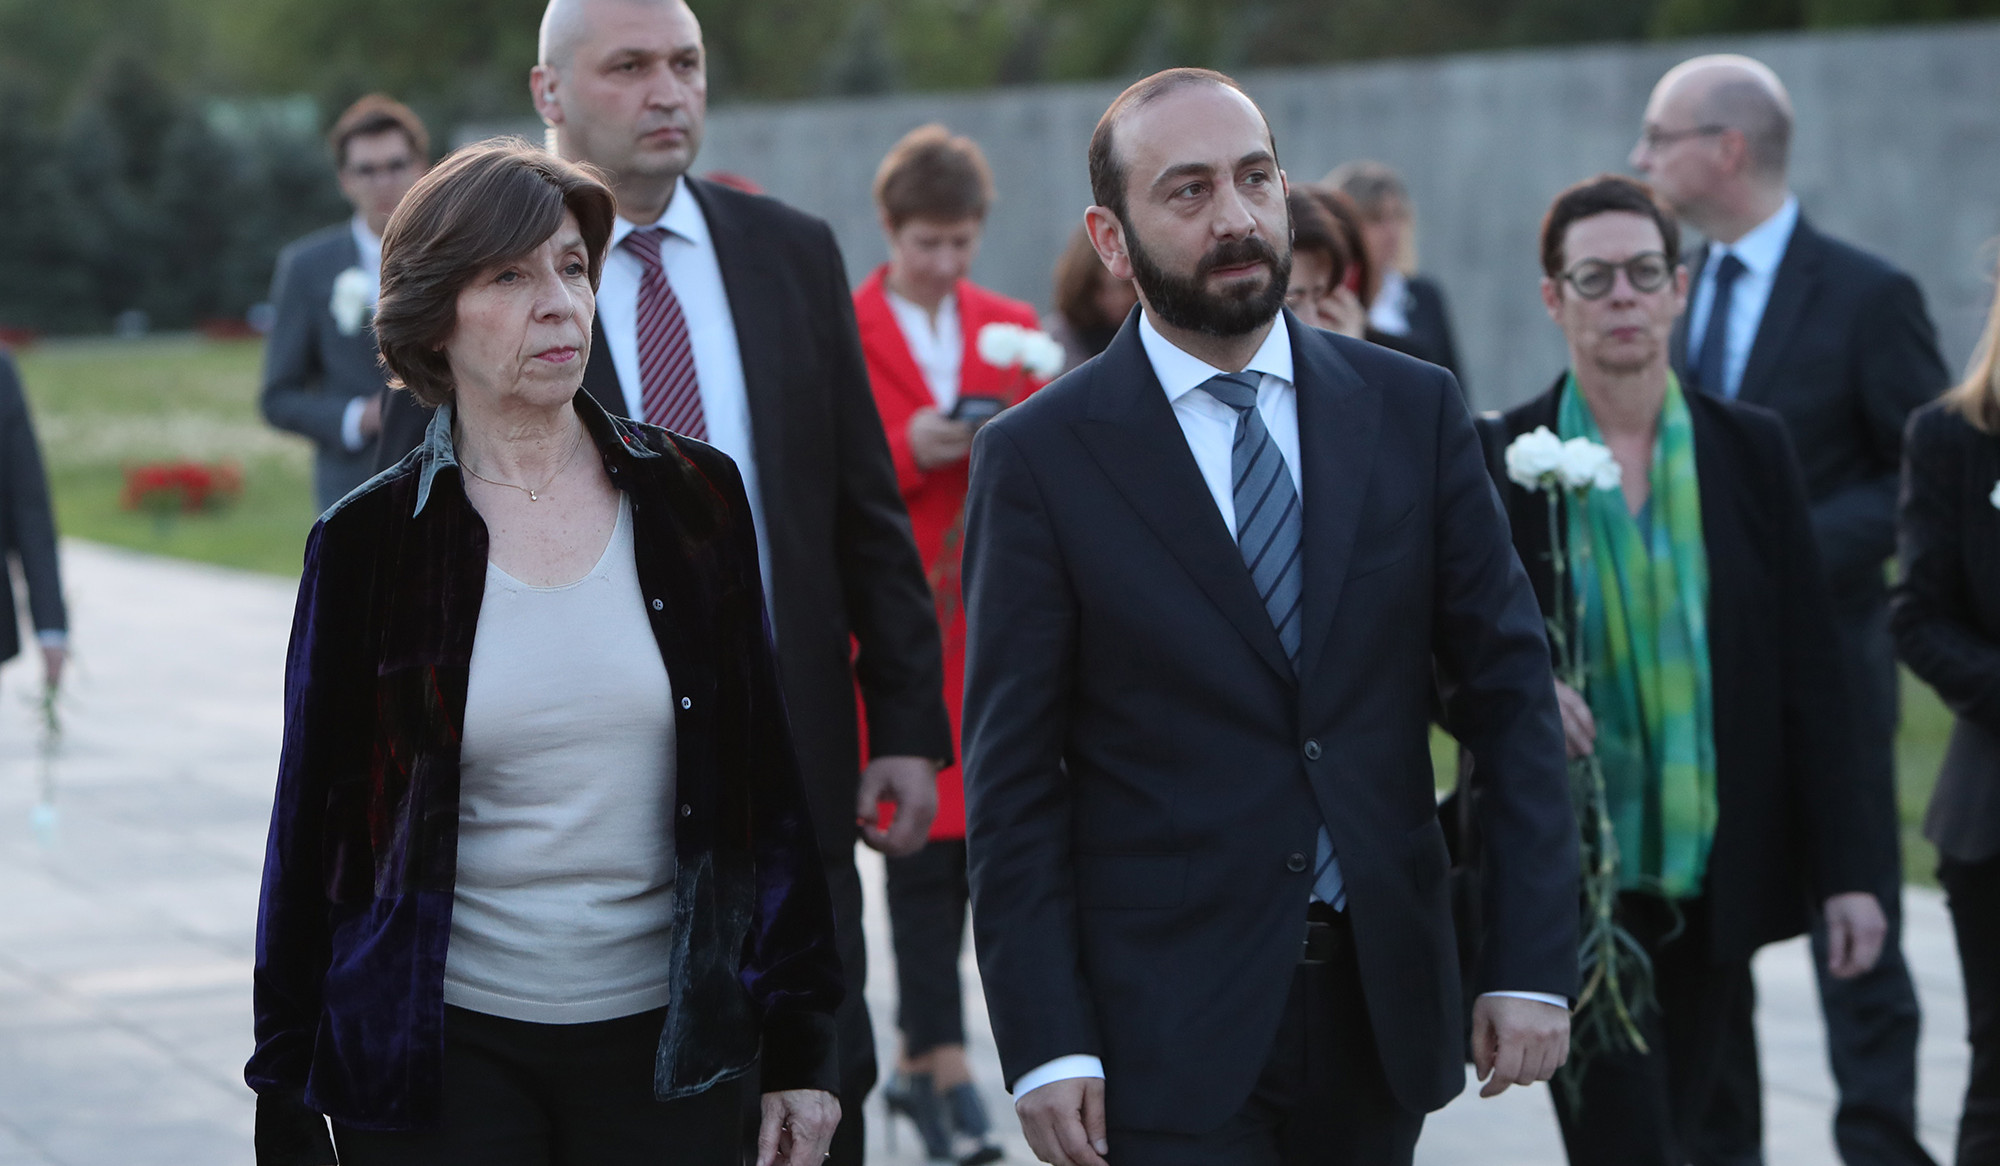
x: 1897, y: 149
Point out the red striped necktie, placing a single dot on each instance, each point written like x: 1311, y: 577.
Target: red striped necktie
x: 669, y: 391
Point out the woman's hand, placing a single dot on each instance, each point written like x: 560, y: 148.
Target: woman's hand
x: 797, y: 1128
x: 1344, y: 313
x: 936, y: 440
x: 1579, y: 727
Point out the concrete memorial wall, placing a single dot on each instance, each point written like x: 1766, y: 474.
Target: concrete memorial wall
x: 1897, y: 149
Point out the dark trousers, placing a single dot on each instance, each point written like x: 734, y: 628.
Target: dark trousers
x: 1873, y: 1020
x: 1322, y: 1099
x: 856, y: 1034
x: 928, y: 894
x: 1643, y: 1109
x: 520, y: 1094
x: 1972, y: 891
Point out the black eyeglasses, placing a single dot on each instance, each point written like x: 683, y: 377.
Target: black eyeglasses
x: 1659, y: 139
x: 1593, y: 279
x: 370, y: 171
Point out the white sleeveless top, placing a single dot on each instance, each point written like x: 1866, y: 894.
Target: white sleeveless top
x: 564, y: 906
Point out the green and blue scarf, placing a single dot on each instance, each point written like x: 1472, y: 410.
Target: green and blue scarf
x: 1645, y: 591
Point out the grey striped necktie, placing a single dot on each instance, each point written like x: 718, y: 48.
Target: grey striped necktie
x: 1270, y: 532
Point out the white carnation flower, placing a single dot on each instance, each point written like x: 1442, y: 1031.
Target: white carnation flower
x: 1043, y: 355
x: 349, y: 302
x: 1532, y: 457
x: 1994, y: 497
x: 1584, y: 464
x: 1002, y: 345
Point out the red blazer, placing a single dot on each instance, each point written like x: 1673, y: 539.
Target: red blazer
x: 936, y: 499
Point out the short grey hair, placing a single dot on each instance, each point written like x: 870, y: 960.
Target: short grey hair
x: 564, y: 27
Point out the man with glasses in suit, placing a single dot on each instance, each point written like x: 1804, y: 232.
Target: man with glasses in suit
x: 1838, y: 343
x: 321, y: 378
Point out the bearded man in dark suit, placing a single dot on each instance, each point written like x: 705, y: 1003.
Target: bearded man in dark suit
x: 322, y: 379
x: 1836, y: 342
x: 1217, y: 579
x: 726, y: 316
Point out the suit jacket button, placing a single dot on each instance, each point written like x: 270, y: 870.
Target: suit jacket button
x: 1296, y: 863
x: 687, y: 811
x: 1312, y: 750
x: 686, y: 703
x: 658, y: 606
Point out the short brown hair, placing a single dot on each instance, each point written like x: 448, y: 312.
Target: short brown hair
x: 1346, y: 218
x: 486, y: 204
x: 374, y: 114
x: 1372, y: 185
x: 1314, y: 229
x: 932, y: 174
x: 1603, y: 195
x: 1107, y: 173
x: 1079, y: 273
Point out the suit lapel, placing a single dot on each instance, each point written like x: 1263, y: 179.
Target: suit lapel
x: 1132, y: 433
x: 890, y: 363
x: 600, y: 375
x: 1798, y: 272
x: 1677, y: 342
x: 1339, y: 416
x: 757, y: 301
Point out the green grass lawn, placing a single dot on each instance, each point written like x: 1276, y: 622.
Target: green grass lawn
x: 101, y: 405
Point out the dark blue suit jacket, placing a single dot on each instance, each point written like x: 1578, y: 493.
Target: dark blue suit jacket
x: 1145, y: 775
x: 27, y: 524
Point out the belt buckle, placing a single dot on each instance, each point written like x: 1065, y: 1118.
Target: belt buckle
x: 1318, y: 945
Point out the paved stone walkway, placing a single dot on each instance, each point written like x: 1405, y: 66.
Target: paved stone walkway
x: 125, y: 938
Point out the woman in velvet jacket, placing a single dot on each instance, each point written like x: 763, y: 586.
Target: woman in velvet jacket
x: 1946, y: 617
x: 489, y: 277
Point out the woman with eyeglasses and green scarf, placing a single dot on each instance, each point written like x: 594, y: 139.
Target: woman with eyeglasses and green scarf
x: 1713, y: 701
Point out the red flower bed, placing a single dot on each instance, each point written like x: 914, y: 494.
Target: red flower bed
x: 181, y: 487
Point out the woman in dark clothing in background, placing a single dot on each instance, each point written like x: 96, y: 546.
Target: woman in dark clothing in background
x: 1090, y: 304
x: 1946, y: 616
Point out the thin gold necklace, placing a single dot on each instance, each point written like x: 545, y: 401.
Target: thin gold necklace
x: 535, y: 494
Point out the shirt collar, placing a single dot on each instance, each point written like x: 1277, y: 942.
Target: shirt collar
x: 1181, y: 373
x: 682, y: 219
x: 604, y: 430
x: 368, y: 243
x: 1762, y: 247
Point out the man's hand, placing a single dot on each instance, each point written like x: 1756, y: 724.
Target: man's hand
x: 1064, y: 1122
x: 1855, y: 932
x: 910, y: 783
x: 53, y: 660
x: 797, y: 1127
x: 1579, y: 727
x: 936, y: 440
x: 1517, y: 1042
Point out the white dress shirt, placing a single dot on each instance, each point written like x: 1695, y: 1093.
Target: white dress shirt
x: 369, y: 246
x: 1210, y: 428
x: 1391, y: 310
x: 1760, y: 251
x: 688, y: 254
x: 936, y: 343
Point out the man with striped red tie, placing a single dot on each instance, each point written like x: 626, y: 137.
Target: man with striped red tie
x: 727, y: 317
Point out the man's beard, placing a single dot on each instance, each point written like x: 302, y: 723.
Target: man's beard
x: 1183, y: 301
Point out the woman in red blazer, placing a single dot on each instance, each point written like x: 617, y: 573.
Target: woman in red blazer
x: 921, y: 322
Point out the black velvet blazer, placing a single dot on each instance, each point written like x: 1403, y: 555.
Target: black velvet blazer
x: 1946, y: 616
x: 356, y: 910
x: 1794, y: 825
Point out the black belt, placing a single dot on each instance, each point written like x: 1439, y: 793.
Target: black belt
x: 1327, y: 934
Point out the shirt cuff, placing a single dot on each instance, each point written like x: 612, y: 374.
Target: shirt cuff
x: 1561, y: 1002
x: 1060, y: 1069
x: 52, y: 638
x: 350, y: 424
